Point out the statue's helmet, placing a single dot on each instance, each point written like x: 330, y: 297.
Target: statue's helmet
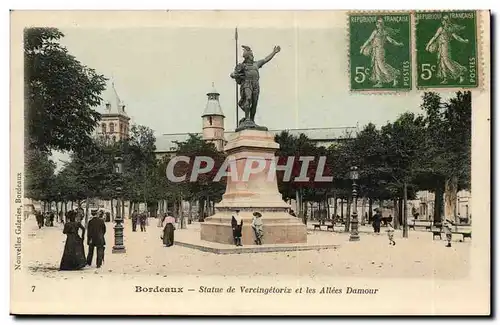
x: 247, y: 52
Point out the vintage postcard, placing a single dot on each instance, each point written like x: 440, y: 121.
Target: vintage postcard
x: 246, y: 162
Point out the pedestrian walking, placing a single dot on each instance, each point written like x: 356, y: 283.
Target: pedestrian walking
x: 95, y: 239
x: 168, y: 231
x: 74, y: 255
x: 135, y: 219
x: 142, y: 220
x: 390, y: 234
x: 447, y: 232
x: 377, y: 218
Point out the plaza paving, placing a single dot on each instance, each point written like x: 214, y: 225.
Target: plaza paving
x: 415, y: 257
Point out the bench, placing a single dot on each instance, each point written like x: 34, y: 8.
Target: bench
x: 318, y: 226
x: 420, y: 223
x: 437, y: 231
x: 464, y: 233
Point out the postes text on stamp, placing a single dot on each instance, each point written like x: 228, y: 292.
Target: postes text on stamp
x: 446, y: 46
x: 380, y: 52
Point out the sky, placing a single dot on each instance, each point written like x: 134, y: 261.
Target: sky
x: 163, y: 73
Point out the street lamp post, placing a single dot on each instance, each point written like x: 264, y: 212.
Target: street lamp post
x: 354, y: 175
x: 118, y: 228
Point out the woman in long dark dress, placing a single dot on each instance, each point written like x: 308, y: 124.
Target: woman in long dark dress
x: 74, y: 255
x: 168, y: 231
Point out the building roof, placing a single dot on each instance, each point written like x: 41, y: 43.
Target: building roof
x: 213, y: 105
x: 166, y: 142
x: 110, y: 96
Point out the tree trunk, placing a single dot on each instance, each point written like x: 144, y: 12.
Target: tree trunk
x: 438, y: 203
x: 190, y: 212
x: 395, y: 219
x: 370, y: 208
x: 348, y: 215
x: 297, y: 203
x: 363, y: 210
x: 122, y: 209
x: 334, y: 206
x: 450, y: 199
x: 327, y: 202
x: 400, y: 211
x: 112, y: 211
x: 342, y: 208
x: 130, y: 208
x: 87, y: 206
x: 405, y: 210
x: 201, y: 209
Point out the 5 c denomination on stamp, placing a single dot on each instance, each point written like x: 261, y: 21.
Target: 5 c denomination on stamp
x: 380, y: 52
x: 446, y: 46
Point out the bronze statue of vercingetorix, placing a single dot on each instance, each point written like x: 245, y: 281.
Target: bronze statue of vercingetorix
x: 246, y: 74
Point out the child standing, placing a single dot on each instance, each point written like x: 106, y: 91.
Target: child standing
x: 447, y: 231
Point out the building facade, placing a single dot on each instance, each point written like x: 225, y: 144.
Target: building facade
x: 115, y: 122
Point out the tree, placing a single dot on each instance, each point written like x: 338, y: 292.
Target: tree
x: 140, y: 166
x: 448, y: 154
x: 59, y: 92
x: 302, y: 191
x: 205, y: 189
x: 403, y: 141
x: 39, y: 174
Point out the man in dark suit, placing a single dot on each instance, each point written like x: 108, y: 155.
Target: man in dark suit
x: 95, y: 239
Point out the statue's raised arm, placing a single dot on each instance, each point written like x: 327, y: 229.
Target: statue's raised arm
x: 268, y: 58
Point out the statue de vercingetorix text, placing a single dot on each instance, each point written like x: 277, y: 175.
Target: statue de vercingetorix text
x: 246, y: 74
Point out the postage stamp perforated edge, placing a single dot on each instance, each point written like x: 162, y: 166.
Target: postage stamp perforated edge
x: 384, y: 91
x: 479, y: 33
x: 480, y: 37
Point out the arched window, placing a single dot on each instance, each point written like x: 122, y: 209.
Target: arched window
x: 103, y: 126
x: 210, y: 120
x: 114, y: 138
x: 112, y: 127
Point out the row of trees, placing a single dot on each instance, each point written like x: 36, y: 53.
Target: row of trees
x: 430, y: 151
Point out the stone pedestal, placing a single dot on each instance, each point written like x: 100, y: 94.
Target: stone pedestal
x: 250, y: 192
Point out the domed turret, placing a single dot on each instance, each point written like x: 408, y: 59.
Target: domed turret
x: 213, y: 120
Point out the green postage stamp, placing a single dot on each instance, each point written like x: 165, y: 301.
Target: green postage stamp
x: 380, y: 52
x: 446, y: 46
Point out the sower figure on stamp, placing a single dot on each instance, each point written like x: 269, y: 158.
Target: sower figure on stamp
x: 95, y: 239
x: 246, y: 74
x: 381, y: 71
x: 447, y: 68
